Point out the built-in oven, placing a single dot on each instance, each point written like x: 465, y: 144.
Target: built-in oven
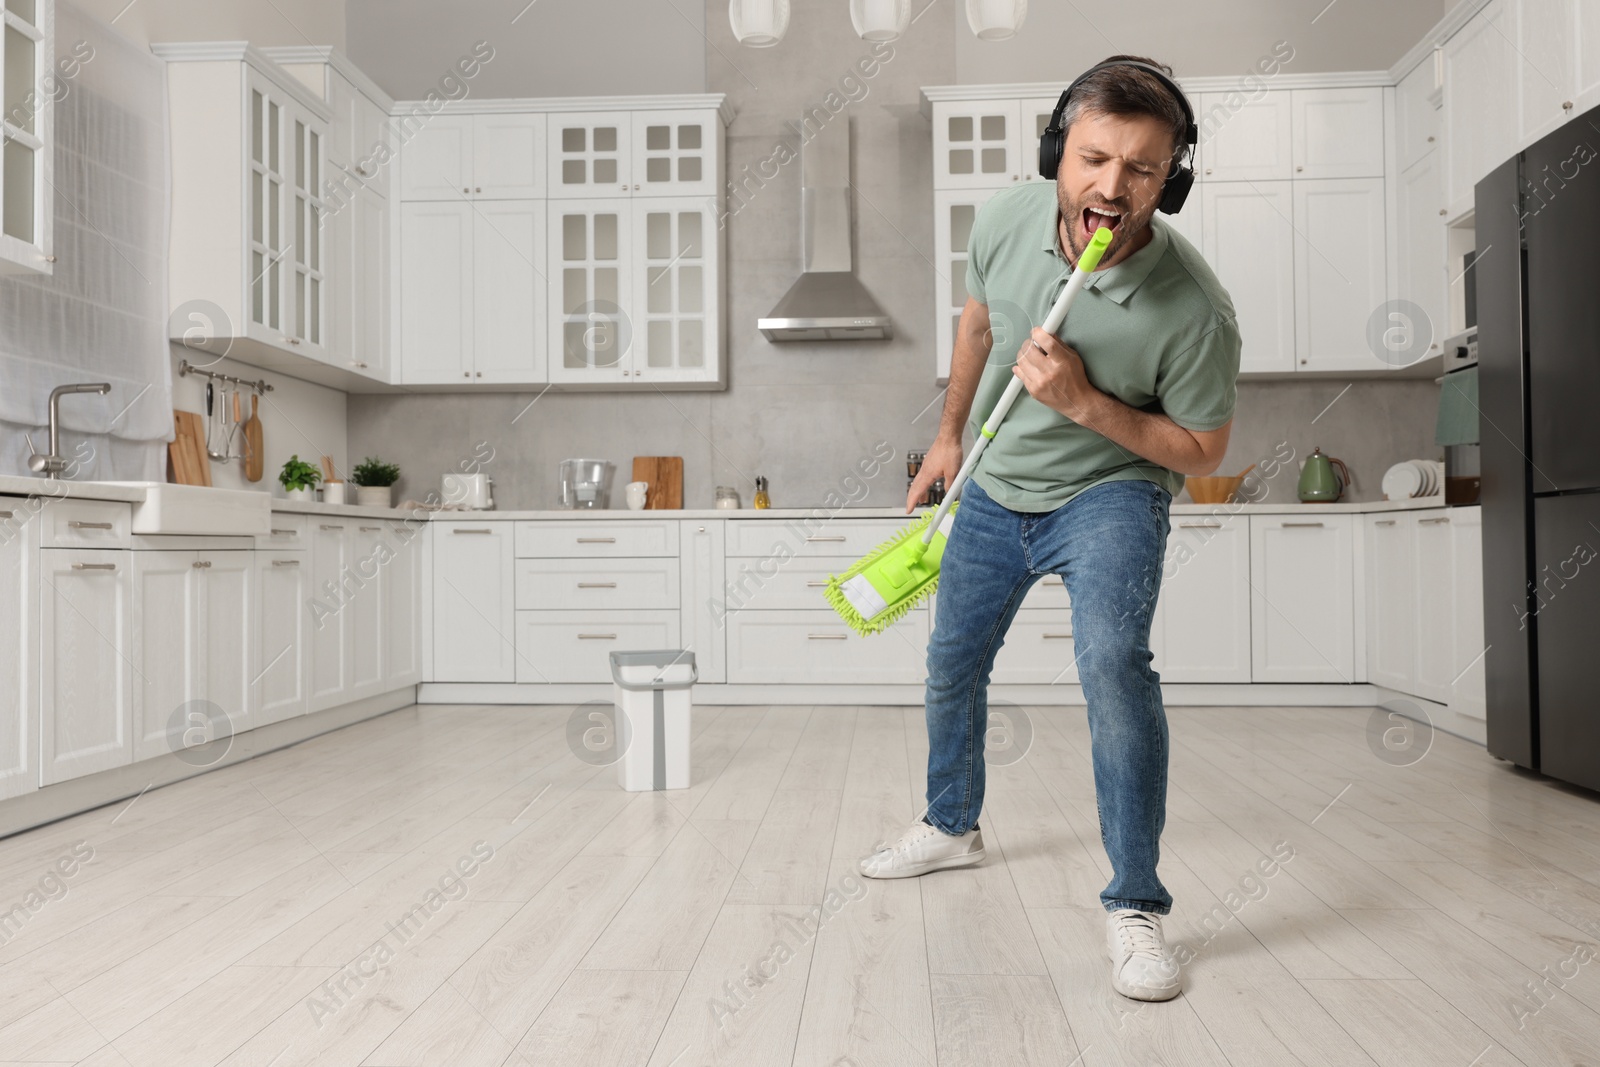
x: 1458, y: 422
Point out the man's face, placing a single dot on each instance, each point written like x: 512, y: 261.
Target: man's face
x: 1112, y: 170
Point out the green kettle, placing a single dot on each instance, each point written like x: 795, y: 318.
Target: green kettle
x: 1319, y: 482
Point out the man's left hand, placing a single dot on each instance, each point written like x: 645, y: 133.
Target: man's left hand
x: 1053, y: 374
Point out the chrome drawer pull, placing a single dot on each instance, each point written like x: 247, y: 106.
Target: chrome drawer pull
x: 1200, y: 525
x: 5, y: 514
x: 77, y: 524
x: 1383, y: 522
x: 330, y: 526
x: 201, y: 564
x: 94, y: 566
x: 282, y: 533
x: 472, y: 531
x: 830, y: 537
x: 597, y: 637
x: 825, y: 637
x: 815, y: 585
x: 597, y: 585
x: 286, y: 563
x: 597, y: 540
x: 1440, y: 518
x: 372, y: 529
x: 1058, y: 635
x: 1289, y: 524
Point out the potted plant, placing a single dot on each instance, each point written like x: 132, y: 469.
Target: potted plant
x: 299, y: 478
x: 373, y: 478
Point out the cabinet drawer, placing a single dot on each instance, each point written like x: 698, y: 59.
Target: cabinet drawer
x: 574, y: 646
x: 755, y: 584
x: 556, y: 584
x: 1039, y: 648
x: 816, y: 646
x: 287, y: 531
x: 1048, y: 592
x: 87, y: 524
x: 851, y: 538
x: 577, y: 539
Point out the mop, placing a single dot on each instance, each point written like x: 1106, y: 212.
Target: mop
x: 894, y: 577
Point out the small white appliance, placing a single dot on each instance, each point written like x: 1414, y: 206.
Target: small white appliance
x: 475, y: 492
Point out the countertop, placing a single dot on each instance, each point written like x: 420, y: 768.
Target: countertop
x: 15, y: 486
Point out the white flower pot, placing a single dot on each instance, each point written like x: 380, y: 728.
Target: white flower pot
x: 299, y: 496
x: 373, y: 496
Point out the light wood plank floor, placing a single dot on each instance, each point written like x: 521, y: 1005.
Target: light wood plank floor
x: 449, y: 887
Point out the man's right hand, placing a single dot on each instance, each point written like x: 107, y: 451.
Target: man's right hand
x: 942, y: 461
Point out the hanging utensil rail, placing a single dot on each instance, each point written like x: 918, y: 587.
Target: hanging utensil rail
x: 185, y: 368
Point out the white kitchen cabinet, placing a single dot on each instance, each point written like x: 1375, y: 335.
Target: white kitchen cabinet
x: 19, y: 648
x: 1337, y: 133
x: 355, y: 238
x: 1468, y: 689
x: 590, y: 274
x: 402, y: 615
x: 1421, y: 245
x: 1435, y: 583
x: 167, y: 634
x: 953, y: 213
x: 29, y: 81
x: 1546, y: 63
x: 494, y: 156
x: 702, y: 627
x: 283, y: 593
x: 1243, y: 139
x: 367, y: 304
x: 589, y: 154
x: 575, y: 646
x: 1480, y: 102
x: 1417, y: 118
x: 1586, y: 36
x: 474, y: 606
x: 86, y: 664
x: 1201, y: 628
x: 1039, y: 649
x: 1250, y: 243
x: 332, y: 592
x: 436, y: 292
x: 1391, y: 600
x: 368, y: 605
x: 676, y: 305
x: 1339, y: 270
x: 815, y: 646
x: 1302, y: 599
x: 977, y: 144
x: 1190, y: 222
x: 675, y: 153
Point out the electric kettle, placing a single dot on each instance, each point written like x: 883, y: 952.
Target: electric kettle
x: 1320, y: 483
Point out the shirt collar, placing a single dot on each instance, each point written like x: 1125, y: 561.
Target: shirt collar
x: 1121, y: 281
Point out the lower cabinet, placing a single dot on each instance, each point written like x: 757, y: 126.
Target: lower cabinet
x: 19, y: 649
x: 575, y: 646
x: 815, y: 646
x: 1201, y: 629
x: 331, y: 591
x: 402, y: 617
x: 86, y: 676
x: 702, y: 628
x: 283, y: 589
x: 1468, y: 686
x: 365, y: 605
x: 1302, y: 598
x: 474, y: 606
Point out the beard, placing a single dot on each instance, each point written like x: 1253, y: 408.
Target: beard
x: 1134, y: 218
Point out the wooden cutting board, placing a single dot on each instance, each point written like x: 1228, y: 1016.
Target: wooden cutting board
x: 665, y: 475
x: 190, y: 464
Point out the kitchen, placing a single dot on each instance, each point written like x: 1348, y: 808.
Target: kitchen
x: 340, y: 556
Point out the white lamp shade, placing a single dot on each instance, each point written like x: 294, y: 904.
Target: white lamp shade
x: 759, y: 23
x: 880, y: 20
x: 995, y: 20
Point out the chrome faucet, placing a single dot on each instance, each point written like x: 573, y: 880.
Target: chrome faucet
x: 52, y: 464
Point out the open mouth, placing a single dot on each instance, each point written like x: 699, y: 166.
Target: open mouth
x: 1092, y: 218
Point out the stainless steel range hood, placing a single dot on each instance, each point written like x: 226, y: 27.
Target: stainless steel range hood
x: 827, y: 302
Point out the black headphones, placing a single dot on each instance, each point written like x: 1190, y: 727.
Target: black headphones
x: 1179, y: 178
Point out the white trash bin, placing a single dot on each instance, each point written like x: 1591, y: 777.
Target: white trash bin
x: 652, y: 692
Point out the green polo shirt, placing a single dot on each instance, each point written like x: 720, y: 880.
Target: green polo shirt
x: 1157, y: 331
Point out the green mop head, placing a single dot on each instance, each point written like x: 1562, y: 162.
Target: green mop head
x: 891, y: 579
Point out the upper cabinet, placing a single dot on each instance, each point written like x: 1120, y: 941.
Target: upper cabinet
x: 1480, y: 103
x: 28, y: 85
x: 1337, y: 133
x: 978, y: 144
x: 634, y: 153
x: 477, y: 157
x: 1416, y: 113
x: 1243, y: 139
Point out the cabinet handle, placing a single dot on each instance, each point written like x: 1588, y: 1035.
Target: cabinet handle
x: 815, y: 585
x: 331, y: 526
x: 77, y: 524
x: 1208, y: 170
x: 597, y: 637
x: 1057, y: 635
x: 1440, y: 518
x: 1430, y: 138
x: 1383, y: 522
x: 825, y: 637
x: 483, y: 531
x: 7, y: 515
x: 597, y: 540
x: 701, y: 530
x: 282, y: 533
x: 464, y: 190
x: 597, y: 585
x: 1299, y: 168
x: 201, y: 564
x: 830, y: 537
x: 94, y: 566
x: 363, y: 171
x: 477, y: 188
x: 1200, y: 525
x: 286, y: 563
x: 466, y: 374
x: 372, y: 529
x: 1286, y: 525
x: 1566, y: 105
x: 480, y: 374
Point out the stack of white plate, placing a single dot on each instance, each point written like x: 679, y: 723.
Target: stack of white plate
x: 1413, y: 477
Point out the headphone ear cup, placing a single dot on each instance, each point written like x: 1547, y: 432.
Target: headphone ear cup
x: 1050, y: 153
x: 1176, y: 191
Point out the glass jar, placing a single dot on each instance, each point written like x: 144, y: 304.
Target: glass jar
x: 727, y: 497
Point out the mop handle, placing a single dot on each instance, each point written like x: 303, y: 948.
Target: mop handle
x: 1087, y: 262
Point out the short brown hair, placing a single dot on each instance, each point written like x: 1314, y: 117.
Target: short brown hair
x: 1124, y: 90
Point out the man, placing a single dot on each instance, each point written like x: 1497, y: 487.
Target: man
x: 1078, y: 480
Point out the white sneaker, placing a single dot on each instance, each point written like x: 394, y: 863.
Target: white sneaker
x: 1141, y: 966
x: 920, y: 849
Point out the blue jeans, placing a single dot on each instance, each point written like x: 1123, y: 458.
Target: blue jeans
x: 1108, y: 543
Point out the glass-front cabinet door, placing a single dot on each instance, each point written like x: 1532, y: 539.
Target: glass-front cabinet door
x: 268, y: 291
x: 26, y: 81
x: 306, y: 329
x: 675, y: 153
x: 587, y: 154
x: 286, y: 281
x: 591, y: 334
x: 976, y: 144
x: 675, y: 310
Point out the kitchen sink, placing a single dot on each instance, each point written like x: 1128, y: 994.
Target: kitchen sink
x: 199, y: 509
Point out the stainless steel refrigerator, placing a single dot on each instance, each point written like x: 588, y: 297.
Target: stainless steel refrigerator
x: 1537, y: 231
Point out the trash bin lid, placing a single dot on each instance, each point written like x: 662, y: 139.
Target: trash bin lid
x: 667, y: 668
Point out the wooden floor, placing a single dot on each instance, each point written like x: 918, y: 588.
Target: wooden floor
x: 449, y: 886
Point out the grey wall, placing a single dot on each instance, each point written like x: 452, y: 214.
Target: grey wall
x: 804, y: 416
